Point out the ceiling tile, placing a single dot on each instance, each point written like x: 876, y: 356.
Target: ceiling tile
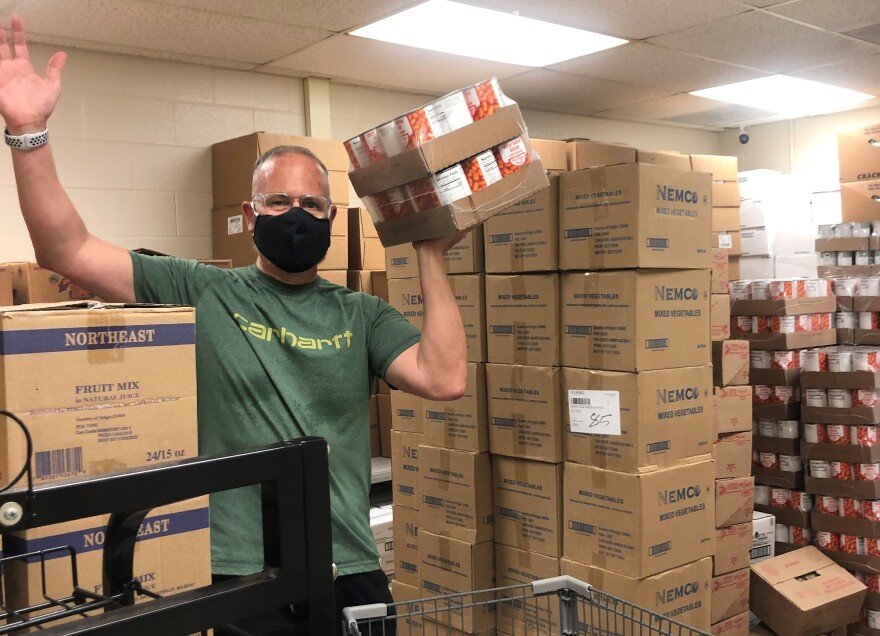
x: 763, y: 41
x: 637, y: 63
x: 663, y: 108
x: 868, y: 34
x: 840, y: 15
x: 166, y: 30
x: 764, y: 3
x: 633, y: 19
x: 549, y: 90
x: 381, y: 64
x: 860, y: 75
x: 330, y: 15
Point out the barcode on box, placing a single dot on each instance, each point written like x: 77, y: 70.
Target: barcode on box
x: 54, y: 463
x: 406, y: 490
x: 580, y: 401
x: 507, y: 422
x: 406, y: 412
x: 657, y: 243
x: 579, y: 232
x: 502, y: 329
x: 660, y: 548
x: 432, y: 587
x: 501, y: 238
x: 432, y: 501
x: 409, y: 567
x: 510, y: 513
x: 400, y: 261
x: 578, y: 330
x: 657, y: 447
x: 583, y: 528
x: 657, y: 343
x: 436, y: 415
x: 760, y: 551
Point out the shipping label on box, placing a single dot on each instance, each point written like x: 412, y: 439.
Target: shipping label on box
x: 101, y: 388
x: 721, y: 167
x: 638, y: 524
x: 730, y: 362
x: 860, y: 201
x: 730, y: 594
x: 405, y: 469
x: 406, y: 545
x: 664, y: 417
x: 525, y: 411
x: 407, y: 412
x: 858, y: 153
x: 719, y: 317
x: 461, y: 424
x: 634, y: 215
x: 763, y: 537
x: 172, y: 554
x: 729, y: 241
x: 635, y: 320
x: 525, y: 237
x: 456, y: 493
x: 733, y: 409
x: 522, y: 319
x: 734, y: 501
x: 528, y: 505
x: 733, y: 455
x: 680, y: 594
x: 514, y: 567
x: 448, y: 567
x: 732, y: 547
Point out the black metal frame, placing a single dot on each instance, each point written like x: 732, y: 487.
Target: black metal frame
x: 298, y: 571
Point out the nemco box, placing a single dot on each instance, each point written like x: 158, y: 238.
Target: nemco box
x: 635, y: 320
x: 528, y: 505
x: 638, y: 524
x: 100, y: 387
x: 665, y: 417
x: 635, y: 215
x: 522, y: 318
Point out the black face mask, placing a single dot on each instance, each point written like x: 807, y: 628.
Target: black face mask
x: 295, y: 240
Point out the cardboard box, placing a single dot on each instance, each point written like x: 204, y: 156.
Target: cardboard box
x: 465, y: 257
x: 730, y: 594
x: 515, y: 567
x: 763, y: 537
x: 730, y: 362
x: 5, y: 285
x: 634, y: 215
x: 858, y: 154
x: 665, y: 417
x: 732, y: 547
x: 232, y: 164
x: 719, y: 317
x: 754, y: 242
x: 586, y: 153
x: 725, y: 194
x: 734, y: 626
x: 406, y: 296
x: 731, y: 241
x: 31, y: 283
x: 720, y: 278
x: 797, y: 266
x: 638, y: 524
x: 734, y: 501
x: 860, y: 201
x: 100, y: 388
x: 669, y: 159
x: 406, y: 545
x: 725, y: 219
x: 337, y: 277
x: 172, y: 554
x: 755, y: 212
x: 732, y: 409
x: 552, y: 153
x: 407, y: 412
x: 232, y: 240
x: 635, y: 320
x: 753, y: 183
x: 525, y: 236
x: 722, y: 168
x: 383, y: 410
x: 382, y: 526
x: 448, y: 566
x: 405, y: 469
x: 734, y: 268
x: 804, y: 593
x: 733, y: 455
x: 461, y: 424
x: 528, y: 505
x: 680, y: 594
x: 365, y: 251
x: 525, y: 411
x: 522, y: 319
x: 432, y: 157
x: 456, y: 493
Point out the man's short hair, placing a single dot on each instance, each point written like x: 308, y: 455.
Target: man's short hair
x: 279, y: 151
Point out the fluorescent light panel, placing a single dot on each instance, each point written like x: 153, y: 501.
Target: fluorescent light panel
x: 461, y: 29
x: 785, y: 95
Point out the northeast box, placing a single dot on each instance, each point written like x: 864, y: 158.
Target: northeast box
x: 634, y: 215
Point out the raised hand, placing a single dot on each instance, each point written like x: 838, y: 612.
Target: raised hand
x: 26, y: 99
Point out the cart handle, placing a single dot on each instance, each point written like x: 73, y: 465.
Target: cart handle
x: 556, y: 583
x: 364, y: 612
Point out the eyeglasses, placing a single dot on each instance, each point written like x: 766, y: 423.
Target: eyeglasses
x: 314, y: 204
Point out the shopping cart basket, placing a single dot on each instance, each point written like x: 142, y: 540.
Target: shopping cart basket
x: 559, y: 606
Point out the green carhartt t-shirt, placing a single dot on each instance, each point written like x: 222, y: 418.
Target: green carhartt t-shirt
x: 277, y: 362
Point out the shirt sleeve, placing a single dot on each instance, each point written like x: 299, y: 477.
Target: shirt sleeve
x: 170, y: 281
x: 391, y: 335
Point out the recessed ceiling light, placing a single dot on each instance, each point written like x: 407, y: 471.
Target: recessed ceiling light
x: 462, y: 29
x: 785, y: 95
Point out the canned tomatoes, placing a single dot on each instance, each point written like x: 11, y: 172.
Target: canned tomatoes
x: 827, y: 505
x: 863, y: 435
x: 841, y: 470
x: 850, y: 508
x: 484, y: 99
x: 481, y: 171
x: 828, y: 540
x: 511, y: 156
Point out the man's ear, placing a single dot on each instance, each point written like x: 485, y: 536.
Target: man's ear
x: 248, y: 209
x: 332, y: 214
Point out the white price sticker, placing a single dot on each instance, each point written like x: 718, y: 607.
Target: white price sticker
x: 725, y: 241
x: 235, y: 225
x: 594, y: 412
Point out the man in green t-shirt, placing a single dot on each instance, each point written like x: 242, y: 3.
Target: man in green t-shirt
x: 280, y: 352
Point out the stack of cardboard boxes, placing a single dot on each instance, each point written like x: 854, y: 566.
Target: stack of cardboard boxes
x: 726, y: 218
x: 858, y: 155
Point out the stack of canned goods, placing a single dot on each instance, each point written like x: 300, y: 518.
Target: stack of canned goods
x: 777, y: 461
x: 847, y: 471
x: 841, y: 359
x: 780, y: 289
x: 777, y: 497
x: 847, y: 258
x: 841, y: 434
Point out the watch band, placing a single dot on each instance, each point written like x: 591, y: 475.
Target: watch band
x: 27, y: 141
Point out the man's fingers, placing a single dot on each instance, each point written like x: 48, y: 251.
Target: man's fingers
x: 5, y: 51
x: 56, y: 66
x: 19, y: 40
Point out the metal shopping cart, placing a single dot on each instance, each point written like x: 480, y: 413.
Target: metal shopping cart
x: 559, y: 606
